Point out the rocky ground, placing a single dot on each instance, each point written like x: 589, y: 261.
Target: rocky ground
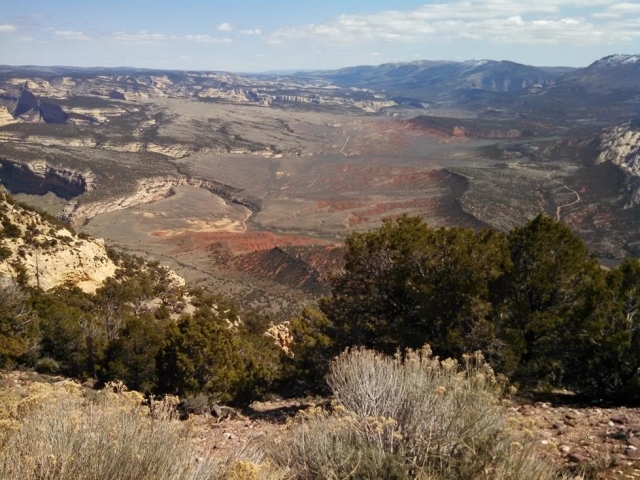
x: 592, y: 441
x: 587, y: 442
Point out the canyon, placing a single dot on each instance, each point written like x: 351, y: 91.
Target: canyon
x: 247, y: 185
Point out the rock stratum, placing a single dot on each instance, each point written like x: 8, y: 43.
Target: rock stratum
x: 47, y: 255
x: 150, y: 190
x: 620, y: 145
x: 19, y: 104
x: 20, y: 95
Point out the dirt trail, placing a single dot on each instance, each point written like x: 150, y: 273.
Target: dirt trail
x: 560, y: 207
x: 345, y: 146
x: 246, y: 218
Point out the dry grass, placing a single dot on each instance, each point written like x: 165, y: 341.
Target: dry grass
x: 56, y: 432
x: 393, y: 418
x: 416, y: 417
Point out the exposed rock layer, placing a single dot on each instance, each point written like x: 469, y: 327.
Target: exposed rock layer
x: 620, y: 145
x: 38, y: 178
x: 49, y: 255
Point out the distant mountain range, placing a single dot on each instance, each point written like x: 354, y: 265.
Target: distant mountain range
x: 608, y: 89
x: 434, y: 80
x: 615, y: 73
x: 449, y: 81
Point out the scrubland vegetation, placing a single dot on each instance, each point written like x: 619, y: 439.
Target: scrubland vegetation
x: 409, y: 417
x: 63, y: 431
x: 533, y: 301
x: 392, y: 418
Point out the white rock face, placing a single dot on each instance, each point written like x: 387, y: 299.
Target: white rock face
x: 5, y: 117
x: 620, y: 145
x: 41, y: 169
x: 149, y: 190
x: 51, y: 256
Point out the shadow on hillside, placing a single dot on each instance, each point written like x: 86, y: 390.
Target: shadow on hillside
x: 566, y: 398
x: 279, y: 412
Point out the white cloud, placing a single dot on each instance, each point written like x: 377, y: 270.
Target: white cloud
x: 147, y: 38
x: 496, y: 21
x: 6, y: 28
x: 225, y: 27
x: 71, y: 35
x: 256, y: 31
x: 206, y: 39
x: 144, y: 37
x: 619, y: 10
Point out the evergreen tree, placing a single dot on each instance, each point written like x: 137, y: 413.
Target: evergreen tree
x: 406, y: 284
x: 542, y: 290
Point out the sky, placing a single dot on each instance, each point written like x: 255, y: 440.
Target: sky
x: 261, y: 35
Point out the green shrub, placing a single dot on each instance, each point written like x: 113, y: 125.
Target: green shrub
x: 19, y: 332
x: 202, y: 354
x: 10, y: 229
x: 536, y: 298
x: 5, y: 252
x: 603, y: 339
x: 407, y: 284
x: 47, y: 366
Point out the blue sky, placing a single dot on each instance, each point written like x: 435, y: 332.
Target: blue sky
x: 265, y: 35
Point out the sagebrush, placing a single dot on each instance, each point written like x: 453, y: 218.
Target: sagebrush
x: 409, y: 417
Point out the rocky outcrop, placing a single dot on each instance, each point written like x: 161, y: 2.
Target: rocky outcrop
x: 282, y: 337
x: 620, y: 145
x: 5, y: 117
x: 174, y: 150
x: 47, y: 255
x: 301, y: 266
x: 374, y: 105
x: 216, y: 86
x: 299, y: 98
x: 150, y: 190
x: 22, y: 104
x: 445, y: 128
x: 237, y: 95
x: 39, y: 177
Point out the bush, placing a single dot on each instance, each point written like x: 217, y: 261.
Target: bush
x: 18, y: 327
x: 603, y: 344
x: 5, y: 252
x: 9, y: 229
x: 202, y: 354
x: 416, y: 417
x: 47, y: 365
x: 55, y: 432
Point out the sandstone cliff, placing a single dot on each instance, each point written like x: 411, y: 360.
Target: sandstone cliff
x: 207, y: 86
x: 47, y: 255
x: 620, y: 145
x: 22, y: 104
x: 38, y: 177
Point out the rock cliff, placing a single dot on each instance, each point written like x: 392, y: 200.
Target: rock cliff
x: 208, y: 86
x: 38, y: 177
x: 47, y: 255
x: 150, y: 190
x: 620, y: 145
x: 22, y: 104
